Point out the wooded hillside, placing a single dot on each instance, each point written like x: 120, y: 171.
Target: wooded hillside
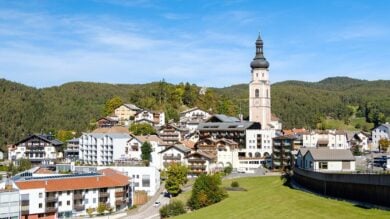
x: 74, y: 106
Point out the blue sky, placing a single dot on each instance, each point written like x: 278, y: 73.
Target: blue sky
x: 210, y: 43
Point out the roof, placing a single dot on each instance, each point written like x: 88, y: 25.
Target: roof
x: 149, y: 138
x: 327, y: 154
x: 131, y: 106
x: 112, y: 135
x: 109, y: 178
x: 43, y: 171
x: 222, y: 118
x: 188, y: 143
x: 303, y: 151
x: 44, y: 137
x: 202, y: 154
x: 114, y: 129
x: 386, y: 125
x: 229, y: 125
x: 73, y: 140
x: 288, y: 137
x: 190, y: 110
x: 179, y: 147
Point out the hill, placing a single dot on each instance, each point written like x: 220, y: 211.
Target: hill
x: 73, y: 106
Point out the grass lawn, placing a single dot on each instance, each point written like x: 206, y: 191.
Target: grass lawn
x: 340, y: 125
x: 268, y: 198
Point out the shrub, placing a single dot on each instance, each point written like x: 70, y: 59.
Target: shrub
x: 235, y: 184
x: 176, y: 207
x: 206, y: 191
x: 228, y: 170
x: 90, y: 211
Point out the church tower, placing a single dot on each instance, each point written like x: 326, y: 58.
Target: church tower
x: 260, y: 89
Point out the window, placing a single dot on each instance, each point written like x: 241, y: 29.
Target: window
x: 68, y: 203
x: 323, y: 165
x: 40, y: 205
x: 145, y: 181
x: 60, y: 203
x: 257, y: 93
x: 60, y: 193
x: 68, y: 193
x: 94, y: 200
x: 40, y: 195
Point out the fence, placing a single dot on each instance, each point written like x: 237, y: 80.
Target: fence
x: 369, y: 188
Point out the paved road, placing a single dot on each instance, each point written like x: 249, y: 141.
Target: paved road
x: 150, y: 212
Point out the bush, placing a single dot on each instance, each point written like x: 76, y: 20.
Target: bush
x: 228, y: 170
x: 235, y: 184
x: 176, y: 207
x: 206, y: 191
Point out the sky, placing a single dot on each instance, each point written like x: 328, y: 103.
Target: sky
x: 47, y: 43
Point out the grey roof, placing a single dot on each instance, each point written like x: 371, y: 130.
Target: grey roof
x: 45, y: 137
x: 224, y: 118
x: 179, y: 147
x: 259, y: 61
x: 132, y: 106
x: 111, y: 135
x: 303, y: 151
x: 327, y: 154
x: 228, y: 125
x: 386, y: 125
x: 73, y: 140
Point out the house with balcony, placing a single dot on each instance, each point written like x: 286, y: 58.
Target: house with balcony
x: 126, y: 113
x: 282, y: 156
x: 378, y: 133
x: 201, y: 163
x: 71, y: 153
x: 172, y: 134
x: 38, y: 148
x: 191, y: 118
x: 107, y: 122
x: 70, y: 195
x: 173, y: 154
x: 332, y: 139
x: 154, y: 118
x: 133, y: 148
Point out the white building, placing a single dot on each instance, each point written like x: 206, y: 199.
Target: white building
x: 102, y: 148
x: 156, y: 119
x: 259, y: 142
x: 331, y: 139
x: 191, y: 118
x: 326, y: 160
x: 72, y: 195
x: 9, y: 200
x: 133, y: 148
x: 173, y: 154
x: 378, y: 133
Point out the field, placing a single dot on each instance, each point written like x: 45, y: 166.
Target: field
x: 356, y: 124
x: 268, y: 198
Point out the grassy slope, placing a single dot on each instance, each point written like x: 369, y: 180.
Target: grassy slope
x: 268, y: 198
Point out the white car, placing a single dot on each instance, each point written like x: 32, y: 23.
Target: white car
x: 157, y: 204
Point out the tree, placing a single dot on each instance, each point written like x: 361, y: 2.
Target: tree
x: 384, y: 144
x: 146, y: 150
x: 112, y: 104
x: 175, y: 208
x: 142, y: 129
x: 206, y: 191
x: 176, y: 176
x: 90, y: 211
x: 228, y: 170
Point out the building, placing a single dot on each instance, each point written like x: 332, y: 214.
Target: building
x: 38, y: 148
x: 331, y: 139
x: 133, y: 148
x: 259, y: 142
x: 326, y: 160
x: 378, y: 133
x: 107, y: 122
x: 156, y: 119
x: 282, y: 157
x: 126, y: 113
x: 173, y: 154
x: 201, y: 163
x: 191, y: 118
x: 71, y: 153
x: 10, y: 200
x: 103, y: 146
x: 170, y: 134
x: 71, y: 195
x: 260, y: 88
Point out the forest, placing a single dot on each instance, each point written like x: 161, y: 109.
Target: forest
x: 76, y: 106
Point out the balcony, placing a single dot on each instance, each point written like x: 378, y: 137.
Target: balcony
x: 103, y: 194
x: 51, y: 199
x: 50, y: 209
x: 78, y: 196
x: 197, y: 160
x: 171, y: 157
x: 79, y: 207
x: 119, y: 194
x: 25, y: 212
x: 198, y: 167
x: 25, y: 203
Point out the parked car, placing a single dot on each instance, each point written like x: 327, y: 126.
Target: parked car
x: 157, y: 204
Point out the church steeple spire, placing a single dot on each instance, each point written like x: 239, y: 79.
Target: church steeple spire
x: 259, y: 61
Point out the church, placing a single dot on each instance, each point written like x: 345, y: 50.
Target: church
x: 253, y: 138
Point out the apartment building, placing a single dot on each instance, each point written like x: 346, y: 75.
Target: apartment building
x: 71, y: 195
x: 331, y: 139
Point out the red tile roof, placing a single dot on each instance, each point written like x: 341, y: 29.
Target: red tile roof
x: 110, y: 178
